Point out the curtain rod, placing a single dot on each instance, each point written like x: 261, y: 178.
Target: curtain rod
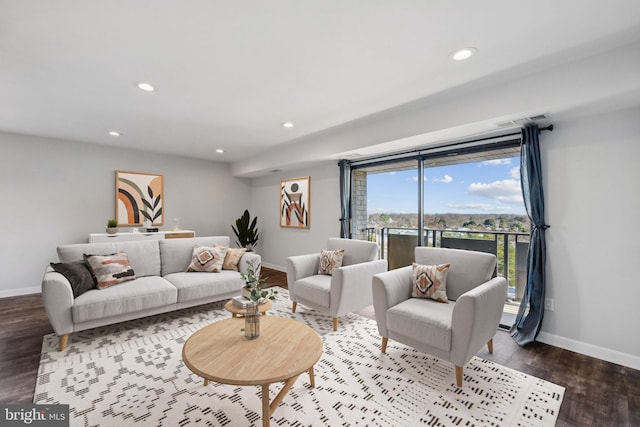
x: 447, y: 146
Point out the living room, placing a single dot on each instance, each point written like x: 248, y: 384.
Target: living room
x: 58, y: 186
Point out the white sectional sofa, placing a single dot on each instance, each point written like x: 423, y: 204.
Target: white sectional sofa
x: 161, y: 284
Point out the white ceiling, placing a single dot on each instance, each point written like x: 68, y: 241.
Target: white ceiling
x: 230, y: 72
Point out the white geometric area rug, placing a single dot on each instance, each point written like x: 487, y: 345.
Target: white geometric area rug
x: 132, y: 373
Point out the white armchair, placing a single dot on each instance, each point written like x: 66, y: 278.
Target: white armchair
x: 347, y: 290
x: 456, y: 331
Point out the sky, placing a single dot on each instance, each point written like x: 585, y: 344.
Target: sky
x: 491, y: 186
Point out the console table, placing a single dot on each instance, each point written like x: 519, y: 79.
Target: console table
x: 157, y: 235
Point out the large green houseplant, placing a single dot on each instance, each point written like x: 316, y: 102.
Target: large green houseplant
x: 246, y: 231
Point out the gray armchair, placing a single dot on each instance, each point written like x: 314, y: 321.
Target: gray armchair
x: 454, y: 332
x: 347, y: 290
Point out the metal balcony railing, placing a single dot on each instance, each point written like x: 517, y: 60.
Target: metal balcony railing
x: 510, y: 248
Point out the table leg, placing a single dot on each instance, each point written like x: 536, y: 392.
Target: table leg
x: 312, y: 379
x: 206, y: 382
x: 266, y: 410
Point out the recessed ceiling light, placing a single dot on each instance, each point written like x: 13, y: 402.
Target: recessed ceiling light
x: 114, y: 133
x: 219, y: 151
x: 287, y: 125
x: 464, y: 53
x: 147, y: 87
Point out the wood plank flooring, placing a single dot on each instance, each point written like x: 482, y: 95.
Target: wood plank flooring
x: 597, y: 393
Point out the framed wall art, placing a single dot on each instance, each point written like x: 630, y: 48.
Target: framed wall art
x: 139, y: 198
x: 295, y: 195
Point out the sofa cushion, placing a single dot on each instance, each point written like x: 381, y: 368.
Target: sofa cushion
x: 232, y: 258
x: 144, y: 256
x: 194, y: 286
x: 468, y: 268
x: 137, y: 295
x: 355, y: 251
x: 330, y: 260
x: 78, y: 275
x: 109, y: 270
x: 422, y: 320
x: 207, y: 259
x: 175, y: 254
x: 314, y: 288
x: 429, y: 281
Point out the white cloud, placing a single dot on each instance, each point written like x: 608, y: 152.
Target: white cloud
x: 496, y: 162
x: 415, y: 178
x: 505, y: 191
x: 515, y: 173
x: 446, y: 179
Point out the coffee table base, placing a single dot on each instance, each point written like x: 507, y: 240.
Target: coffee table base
x: 268, y: 408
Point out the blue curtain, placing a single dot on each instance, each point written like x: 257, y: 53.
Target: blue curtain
x: 345, y: 198
x: 529, y: 319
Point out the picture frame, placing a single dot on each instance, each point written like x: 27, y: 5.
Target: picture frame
x: 139, y: 198
x: 295, y: 202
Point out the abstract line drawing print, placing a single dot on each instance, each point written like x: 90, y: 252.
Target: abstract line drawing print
x: 294, y: 202
x: 139, y: 198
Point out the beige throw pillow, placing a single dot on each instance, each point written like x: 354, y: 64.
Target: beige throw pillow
x: 430, y: 281
x: 232, y: 258
x: 330, y: 260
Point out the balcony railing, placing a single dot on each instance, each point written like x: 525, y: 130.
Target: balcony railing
x: 397, y: 246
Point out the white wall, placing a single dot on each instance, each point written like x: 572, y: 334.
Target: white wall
x: 278, y: 243
x: 56, y: 192
x: 592, y: 192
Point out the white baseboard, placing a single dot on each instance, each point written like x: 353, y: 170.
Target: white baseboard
x: 613, y: 356
x: 275, y: 267
x: 20, y: 291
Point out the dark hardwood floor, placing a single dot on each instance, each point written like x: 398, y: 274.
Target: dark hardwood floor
x: 597, y: 393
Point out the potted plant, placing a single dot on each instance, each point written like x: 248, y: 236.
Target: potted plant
x: 112, y: 226
x: 253, y: 291
x: 246, y: 231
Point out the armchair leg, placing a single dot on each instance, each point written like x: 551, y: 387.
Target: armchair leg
x: 459, y: 376
x: 384, y: 344
x: 335, y: 324
x: 490, y: 346
x: 62, y: 341
x: 293, y: 307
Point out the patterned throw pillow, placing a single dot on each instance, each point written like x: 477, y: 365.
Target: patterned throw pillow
x: 109, y: 270
x: 207, y: 259
x: 430, y: 281
x: 78, y: 274
x: 330, y: 260
x: 232, y: 258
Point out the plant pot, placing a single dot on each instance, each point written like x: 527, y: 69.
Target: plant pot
x: 112, y: 230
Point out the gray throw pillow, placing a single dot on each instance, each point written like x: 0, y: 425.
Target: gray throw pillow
x: 77, y: 274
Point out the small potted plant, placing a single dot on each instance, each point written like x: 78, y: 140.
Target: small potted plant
x: 112, y: 226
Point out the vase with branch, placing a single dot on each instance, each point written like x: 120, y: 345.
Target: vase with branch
x: 253, y: 290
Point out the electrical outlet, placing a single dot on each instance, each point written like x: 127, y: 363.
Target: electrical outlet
x: 549, y: 304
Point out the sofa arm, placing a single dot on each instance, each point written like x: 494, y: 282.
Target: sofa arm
x: 57, y: 297
x: 476, y: 317
x: 389, y: 289
x: 246, y: 258
x: 351, y: 286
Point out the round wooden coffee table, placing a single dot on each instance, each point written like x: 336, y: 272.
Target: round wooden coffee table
x: 239, y: 311
x: 285, y: 349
